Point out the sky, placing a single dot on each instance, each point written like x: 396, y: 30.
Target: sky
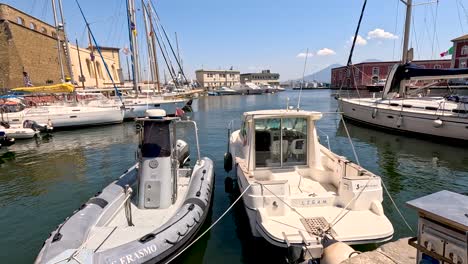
x: 251, y: 35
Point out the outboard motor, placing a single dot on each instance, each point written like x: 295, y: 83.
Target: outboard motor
x: 157, y: 174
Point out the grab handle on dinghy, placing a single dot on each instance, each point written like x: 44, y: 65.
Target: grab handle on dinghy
x: 147, y: 237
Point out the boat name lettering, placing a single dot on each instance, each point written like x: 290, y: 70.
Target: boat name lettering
x: 136, y: 256
x: 310, y: 202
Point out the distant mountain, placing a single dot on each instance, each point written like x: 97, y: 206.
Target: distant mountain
x: 323, y: 75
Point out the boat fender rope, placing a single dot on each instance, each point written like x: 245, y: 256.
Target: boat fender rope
x: 211, y: 226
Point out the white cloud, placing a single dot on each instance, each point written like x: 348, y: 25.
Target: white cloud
x: 326, y: 52
x: 360, y: 41
x: 303, y: 55
x: 379, y: 33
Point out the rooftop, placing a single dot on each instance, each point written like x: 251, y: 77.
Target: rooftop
x: 464, y: 37
x: 203, y: 70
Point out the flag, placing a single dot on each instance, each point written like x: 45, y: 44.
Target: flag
x: 446, y: 53
x: 126, y: 51
x: 133, y: 28
x: 179, y: 112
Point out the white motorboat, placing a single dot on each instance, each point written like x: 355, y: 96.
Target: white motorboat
x: 64, y: 116
x: 407, y: 111
x: 298, y: 191
x: 247, y: 88
x: 28, y: 129
x: 225, y: 91
x: 151, y: 225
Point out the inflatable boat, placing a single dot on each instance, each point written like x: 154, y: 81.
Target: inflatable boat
x: 149, y: 213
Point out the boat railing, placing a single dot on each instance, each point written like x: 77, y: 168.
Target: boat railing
x: 195, y: 127
x: 327, y: 138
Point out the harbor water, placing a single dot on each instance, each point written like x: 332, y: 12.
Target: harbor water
x: 42, y: 181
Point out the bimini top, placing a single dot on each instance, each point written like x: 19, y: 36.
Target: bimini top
x: 284, y: 112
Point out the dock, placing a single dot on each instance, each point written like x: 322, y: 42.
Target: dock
x: 390, y: 253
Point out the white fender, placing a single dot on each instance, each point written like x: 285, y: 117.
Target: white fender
x: 336, y: 253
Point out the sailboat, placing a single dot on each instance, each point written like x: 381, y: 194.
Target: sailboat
x: 149, y: 213
x: 403, y: 110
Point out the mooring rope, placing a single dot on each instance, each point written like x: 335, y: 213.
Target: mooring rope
x: 212, y: 225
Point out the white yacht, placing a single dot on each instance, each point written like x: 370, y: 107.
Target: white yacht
x: 298, y: 191
x: 59, y: 116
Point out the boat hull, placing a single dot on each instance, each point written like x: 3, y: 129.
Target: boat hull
x: 454, y: 128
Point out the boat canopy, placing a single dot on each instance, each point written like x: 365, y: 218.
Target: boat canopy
x: 56, y: 88
x: 414, y: 72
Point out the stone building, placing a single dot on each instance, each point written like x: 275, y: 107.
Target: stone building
x: 261, y: 78
x: 29, y: 45
x: 369, y: 73
x: 210, y: 79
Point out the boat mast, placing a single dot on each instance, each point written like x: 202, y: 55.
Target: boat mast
x: 57, y: 29
x: 81, y: 77
x: 93, y: 59
x: 404, y: 56
x: 408, y: 4
x: 66, y: 46
x: 149, y: 43
x: 153, y: 46
x: 133, y: 42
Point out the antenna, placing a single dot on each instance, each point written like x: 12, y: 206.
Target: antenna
x: 302, y: 83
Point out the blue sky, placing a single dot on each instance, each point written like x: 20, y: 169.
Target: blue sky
x: 260, y: 34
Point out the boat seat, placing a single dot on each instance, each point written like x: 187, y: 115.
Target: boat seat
x: 276, y: 148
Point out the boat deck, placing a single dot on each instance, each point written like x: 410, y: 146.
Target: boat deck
x: 145, y: 221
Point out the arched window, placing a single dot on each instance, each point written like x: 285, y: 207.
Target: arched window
x: 20, y: 20
x: 99, y: 70
x: 43, y: 30
x: 464, y: 50
x: 54, y: 35
x: 114, y: 73
x: 89, y: 65
x: 32, y: 26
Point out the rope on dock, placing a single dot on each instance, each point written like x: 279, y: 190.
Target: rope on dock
x: 212, y: 225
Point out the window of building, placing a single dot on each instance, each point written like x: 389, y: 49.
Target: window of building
x: 54, y: 35
x: 43, y: 30
x: 209, y: 75
x: 463, y: 64
x: 348, y: 72
x: 375, y: 79
x: 437, y: 66
x: 90, y: 67
x: 222, y: 75
x: 20, y: 20
x: 464, y: 50
x: 32, y: 26
x: 99, y: 70
x: 375, y: 71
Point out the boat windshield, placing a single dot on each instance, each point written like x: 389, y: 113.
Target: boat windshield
x: 156, y: 140
x: 280, y: 142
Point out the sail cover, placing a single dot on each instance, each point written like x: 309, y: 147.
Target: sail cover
x: 57, y: 88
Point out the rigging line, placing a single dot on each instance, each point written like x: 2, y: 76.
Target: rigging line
x: 415, y: 36
x: 302, y: 83
x: 161, y: 48
x: 168, y: 41
x: 211, y: 226
x: 459, y: 18
x: 395, y: 30
x: 100, y: 54
x: 356, y: 34
x: 435, y: 27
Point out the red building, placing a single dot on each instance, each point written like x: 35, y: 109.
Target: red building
x: 369, y: 73
x: 460, y: 52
